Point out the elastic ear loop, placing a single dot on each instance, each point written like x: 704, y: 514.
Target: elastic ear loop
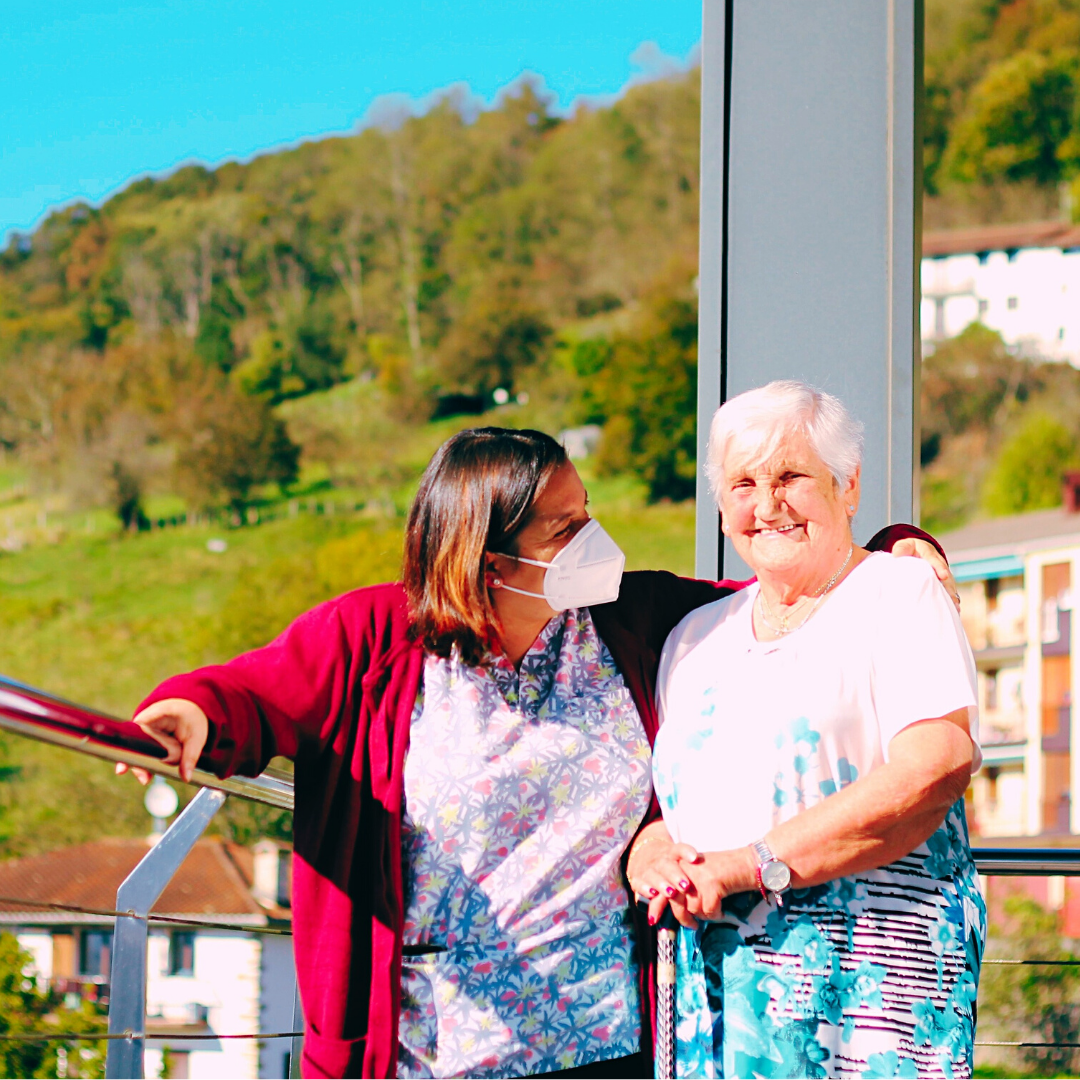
x: 531, y: 562
x: 520, y: 558
x: 523, y: 592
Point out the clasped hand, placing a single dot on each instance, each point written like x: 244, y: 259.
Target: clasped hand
x: 692, y: 883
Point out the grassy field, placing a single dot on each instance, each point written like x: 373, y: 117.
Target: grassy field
x: 101, y: 617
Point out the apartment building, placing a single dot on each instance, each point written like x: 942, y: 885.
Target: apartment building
x: 1019, y: 579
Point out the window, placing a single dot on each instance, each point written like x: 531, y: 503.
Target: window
x: 984, y: 306
x: 94, y: 949
x: 182, y: 953
x: 991, y: 690
x: 1012, y: 303
x: 1061, y: 333
x: 177, y: 1064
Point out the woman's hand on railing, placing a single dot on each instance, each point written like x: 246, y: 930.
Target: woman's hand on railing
x: 656, y: 872
x: 181, y: 727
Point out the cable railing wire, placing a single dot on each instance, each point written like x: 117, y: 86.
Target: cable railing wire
x: 1043, y: 963
x: 172, y: 920
x: 1031, y: 1045
x: 127, y: 1036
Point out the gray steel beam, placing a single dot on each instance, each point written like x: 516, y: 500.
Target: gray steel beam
x: 715, y: 70
x: 138, y: 894
x: 811, y: 226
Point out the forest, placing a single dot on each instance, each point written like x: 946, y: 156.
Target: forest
x: 204, y: 341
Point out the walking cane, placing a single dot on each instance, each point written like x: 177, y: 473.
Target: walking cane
x: 666, y: 936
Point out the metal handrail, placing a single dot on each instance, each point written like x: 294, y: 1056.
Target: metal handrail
x: 1028, y: 862
x: 35, y: 714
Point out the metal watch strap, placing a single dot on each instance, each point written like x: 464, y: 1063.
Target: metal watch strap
x: 762, y: 851
x: 764, y: 855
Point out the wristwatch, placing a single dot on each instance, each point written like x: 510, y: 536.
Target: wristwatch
x: 773, y: 876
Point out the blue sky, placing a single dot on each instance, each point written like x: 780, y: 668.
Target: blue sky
x: 96, y: 92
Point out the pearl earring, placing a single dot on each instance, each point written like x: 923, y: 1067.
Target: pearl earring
x: 496, y: 583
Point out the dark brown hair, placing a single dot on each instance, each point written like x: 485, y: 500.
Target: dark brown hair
x: 476, y: 495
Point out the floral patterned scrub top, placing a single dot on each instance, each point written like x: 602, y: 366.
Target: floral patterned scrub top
x: 872, y: 975
x: 521, y: 794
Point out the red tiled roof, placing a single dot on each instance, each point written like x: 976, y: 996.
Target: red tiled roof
x: 215, y: 879
x: 1038, y: 234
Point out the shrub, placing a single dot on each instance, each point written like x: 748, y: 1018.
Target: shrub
x: 1028, y: 471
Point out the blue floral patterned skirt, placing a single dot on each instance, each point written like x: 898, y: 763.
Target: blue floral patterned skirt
x: 870, y: 976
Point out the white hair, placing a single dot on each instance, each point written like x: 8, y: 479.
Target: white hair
x: 773, y: 411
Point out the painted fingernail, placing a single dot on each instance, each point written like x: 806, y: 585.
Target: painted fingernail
x: 684, y: 884
x: 652, y: 920
x: 670, y: 891
x: 654, y: 892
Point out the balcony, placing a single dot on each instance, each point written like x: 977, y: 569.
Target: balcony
x: 33, y: 714
x: 76, y: 988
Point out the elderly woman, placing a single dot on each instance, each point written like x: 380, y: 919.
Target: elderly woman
x: 472, y: 755
x: 818, y: 733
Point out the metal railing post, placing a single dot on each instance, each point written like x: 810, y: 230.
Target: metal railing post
x: 297, y: 1048
x: 137, y: 895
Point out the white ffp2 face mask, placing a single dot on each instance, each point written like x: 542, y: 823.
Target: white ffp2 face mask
x: 587, y: 571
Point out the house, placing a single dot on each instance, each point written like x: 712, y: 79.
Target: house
x: 200, y: 981
x: 1021, y: 280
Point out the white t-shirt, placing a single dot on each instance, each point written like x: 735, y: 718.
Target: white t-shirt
x: 754, y: 732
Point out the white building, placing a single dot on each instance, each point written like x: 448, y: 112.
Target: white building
x: 1021, y: 280
x: 199, y: 981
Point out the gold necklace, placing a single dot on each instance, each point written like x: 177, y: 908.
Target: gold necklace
x: 784, y: 627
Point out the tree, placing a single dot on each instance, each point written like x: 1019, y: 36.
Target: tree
x: 498, y: 337
x: 970, y: 381
x: 27, y: 1008
x: 1033, y: 1003
x: 1028, y: 472
x: 293, y: 359
x: 1017, y: 120
x: 228, y: 444
x: 641, y: 384
x: 127, y: 498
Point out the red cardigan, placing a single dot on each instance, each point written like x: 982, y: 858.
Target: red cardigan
x: 335, y: 692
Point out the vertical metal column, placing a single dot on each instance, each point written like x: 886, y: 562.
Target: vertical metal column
x: 137, y: 895
x: 712, y: 261
x: 296, y: 1048
x: 810, y: 244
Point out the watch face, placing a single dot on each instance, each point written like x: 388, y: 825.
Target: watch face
x: 775, y: 876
